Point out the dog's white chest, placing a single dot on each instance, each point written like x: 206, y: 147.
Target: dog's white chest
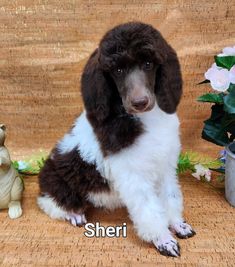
x: 161, y: 136
x: 153, y: 151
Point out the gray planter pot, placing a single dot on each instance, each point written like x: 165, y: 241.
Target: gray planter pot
x: 230, y: 174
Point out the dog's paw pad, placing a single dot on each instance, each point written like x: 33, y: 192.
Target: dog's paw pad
x: 182, y: 230
x: 168, y: 246
x: 76, y: 219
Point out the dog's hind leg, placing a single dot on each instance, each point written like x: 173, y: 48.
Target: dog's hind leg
x: 51, y: 208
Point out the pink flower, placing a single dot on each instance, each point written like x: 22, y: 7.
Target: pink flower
x: 228, y: 51
x: 232, y: 74
x: 201, y: 171
x: 218, y: 77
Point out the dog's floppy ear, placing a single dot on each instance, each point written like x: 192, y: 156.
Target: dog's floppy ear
x: 168, y: 85
x: 96, y: 90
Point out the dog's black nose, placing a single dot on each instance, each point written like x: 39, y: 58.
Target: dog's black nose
x: 140, y: 104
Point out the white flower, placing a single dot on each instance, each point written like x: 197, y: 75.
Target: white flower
x: 228, y: 51
x: 207, y: 175
x: 232, y: 74
x: 22, y: 165
x: 218, y: 77
x: 216, y: 67
x: 202, y: 172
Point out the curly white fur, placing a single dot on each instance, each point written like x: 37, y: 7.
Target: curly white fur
x: 143, y: 175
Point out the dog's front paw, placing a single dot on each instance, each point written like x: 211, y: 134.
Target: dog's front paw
x: 167, y: 246
x: 182, y: 230
x: 76, y: 219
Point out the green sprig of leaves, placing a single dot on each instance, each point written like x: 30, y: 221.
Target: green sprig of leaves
x: 189, y: 159
x: 33, y: 164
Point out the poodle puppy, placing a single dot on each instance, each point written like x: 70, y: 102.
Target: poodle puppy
x: 123, y: 149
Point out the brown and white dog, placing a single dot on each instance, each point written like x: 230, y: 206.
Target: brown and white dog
x: 123, y: 149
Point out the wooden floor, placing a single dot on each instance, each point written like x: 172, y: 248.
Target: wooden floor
x: 36, y: 240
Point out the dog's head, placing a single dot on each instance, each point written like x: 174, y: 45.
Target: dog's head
x: 137, y: 62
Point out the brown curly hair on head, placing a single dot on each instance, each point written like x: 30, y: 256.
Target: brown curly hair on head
x: 132, y: 68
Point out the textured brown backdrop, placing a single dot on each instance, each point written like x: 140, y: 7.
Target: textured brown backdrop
x: 44, y: 45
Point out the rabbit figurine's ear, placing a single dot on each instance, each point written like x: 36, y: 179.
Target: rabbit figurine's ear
x: 2, y: 134
x: 3, y: 127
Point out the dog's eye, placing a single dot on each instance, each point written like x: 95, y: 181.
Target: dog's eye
x: 148, y: 65
x: 119, y: 71
x: 120, y: 49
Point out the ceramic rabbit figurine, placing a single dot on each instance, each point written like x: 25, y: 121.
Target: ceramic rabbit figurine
x: 11, y: 185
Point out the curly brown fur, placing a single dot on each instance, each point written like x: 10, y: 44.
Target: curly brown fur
x: 68, y: 179
x: 104, y: 92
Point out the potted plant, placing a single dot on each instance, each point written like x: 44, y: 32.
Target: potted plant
x: 220, y: 127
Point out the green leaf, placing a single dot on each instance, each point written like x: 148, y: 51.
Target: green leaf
x: 34, y: 164
x: 213, y: 133
x: 206, y: 161
x: 231, y: 87
x: 225, y: 62
x: 219, y: 170
x: 184, y: 163
x: 229, y: 102
x: 220, y: 178
x: 228, y: 124
x: 212, y: 98
x: 189, y: 159
x: 15, y: 164
x: 214, y: 129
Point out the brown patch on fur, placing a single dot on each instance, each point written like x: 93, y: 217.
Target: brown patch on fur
x: 68, y: 179
x: 113, y: 126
